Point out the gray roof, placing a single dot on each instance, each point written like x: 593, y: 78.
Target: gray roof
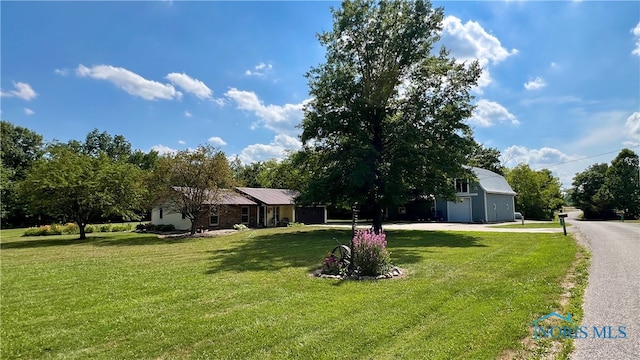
x: 224, y: 197
x: 271, y: 196
x: 230, y: 197
x: 493, y: 183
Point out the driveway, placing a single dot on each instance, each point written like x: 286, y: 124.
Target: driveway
x: 442, y: 226
x: 612, y: 297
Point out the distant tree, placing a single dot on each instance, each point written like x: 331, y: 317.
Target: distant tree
x: 485, y: 158
x: 387, y: 117
x: 190, y: 181
x: 115, y: 147
x: 586, y: 193
x: 80, y: 187
x: 622, y: 183
x: 283, y: 174
x: 246, y: 175
x: 539, y: 192
x: 144, y: 161
x: 20, y: 148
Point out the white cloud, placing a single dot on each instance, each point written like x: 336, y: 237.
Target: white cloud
x: 29, y: 111
x: 535, y: 84
x: 22, y: 91
x: 215, y: 140
x: 62, y: 72
x: 259, y: 70
x: 560, y: 164
x: 277, y: 149
x: 632, y: 126
x: 187, y: 114
x: 130, y: 82
x: 554, y: 64
x: 281, y: 119
x: 488, y: 113
x: 470, y: 41
x: 636, y: 32
x: 190, y: 85
x: 163, y: 149
x: 182, y: 142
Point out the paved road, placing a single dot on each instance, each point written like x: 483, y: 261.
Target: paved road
x: 612, y: 297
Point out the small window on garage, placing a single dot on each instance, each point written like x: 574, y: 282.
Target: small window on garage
x: 402, y: 210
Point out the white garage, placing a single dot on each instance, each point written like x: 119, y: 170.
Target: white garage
x: 459, y: 211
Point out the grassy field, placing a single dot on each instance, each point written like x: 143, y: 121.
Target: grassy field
x: 249, y: 296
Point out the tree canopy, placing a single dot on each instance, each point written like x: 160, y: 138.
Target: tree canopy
x: 539, y: 194
x: 78, y: 186
x: 190, y: 181
x: 387, y: 117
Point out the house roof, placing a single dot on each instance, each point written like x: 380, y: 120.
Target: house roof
x: 270, y: 196
x: 223, y: 197
x: 493, y: 183
x: 230, y: 197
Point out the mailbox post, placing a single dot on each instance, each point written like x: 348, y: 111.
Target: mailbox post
x: 564, y: 227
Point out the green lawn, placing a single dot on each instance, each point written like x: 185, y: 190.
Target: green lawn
x: 249, y: 296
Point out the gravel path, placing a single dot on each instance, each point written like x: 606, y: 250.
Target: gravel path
x: 612, y: 297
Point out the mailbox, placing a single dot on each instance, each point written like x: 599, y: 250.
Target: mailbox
x: 562, y: 215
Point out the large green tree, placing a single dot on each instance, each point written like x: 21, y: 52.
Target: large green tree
x: 387, y: 117
x: 485, y: 158
x: 622, y: 183
x: 190, y: 181
x: 20, y: 148
x: 539, y: 192
x: 587, y: 192
x: 80, y: 187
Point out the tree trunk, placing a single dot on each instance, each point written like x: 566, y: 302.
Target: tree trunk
x: 378, y: 185
x: 81, y: 226
x: 377, y: 217
x: 194, y: 225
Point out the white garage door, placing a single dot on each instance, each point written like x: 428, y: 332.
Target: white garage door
x: 460, y: 211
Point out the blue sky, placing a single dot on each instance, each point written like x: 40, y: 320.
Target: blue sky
x: 560, y: 87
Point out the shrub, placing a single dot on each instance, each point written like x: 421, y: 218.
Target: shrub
x: 370, y: 253
x: 104, y: 228
x: 164, y: 228
x: 89, y: 229
x: 240, y: 227
x: 332, y: 265
x: 120, y: 227
x: 70, y: 228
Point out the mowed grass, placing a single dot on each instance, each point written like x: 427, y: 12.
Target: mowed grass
x: 249, y: 296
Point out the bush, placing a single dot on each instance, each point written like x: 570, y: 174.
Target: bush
x: 370, y: 254
x: 104, y: 228
x: 240, y: 227
x: 70, y: 228
x: 89, y: 229
x: 120, y: 227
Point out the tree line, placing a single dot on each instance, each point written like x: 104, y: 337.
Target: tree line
x: 603, y: 191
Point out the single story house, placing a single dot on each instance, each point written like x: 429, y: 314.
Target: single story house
x: 276, y: 207
x: 490, y: 199
x: 253, y: 207
x: 226, y: 209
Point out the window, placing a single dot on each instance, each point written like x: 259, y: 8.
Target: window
x: 244, y: 217
x: 160, y: 213
x: 462, y: 186
x: 213, y: 216
x: 402, y: 210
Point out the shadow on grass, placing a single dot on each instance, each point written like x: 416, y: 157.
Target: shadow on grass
x: 130, y: 239
x: 308, y: 248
